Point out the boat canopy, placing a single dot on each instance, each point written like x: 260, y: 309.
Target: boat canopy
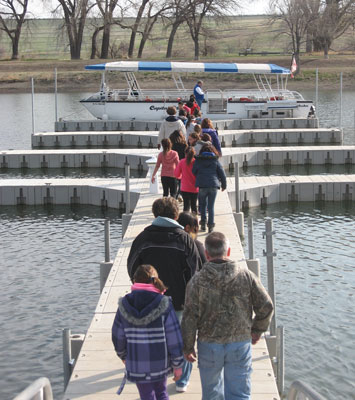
x: 232, y: 68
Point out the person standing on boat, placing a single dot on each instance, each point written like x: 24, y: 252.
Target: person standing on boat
x: 219, y: 306
x: 170, y: 124
x: 199, y: 93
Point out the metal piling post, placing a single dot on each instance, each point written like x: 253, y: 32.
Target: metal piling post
x: 66, y: 356
x: 269, y: 254
x: 238, y: 215
x: 127, y: 216
x: 105, y: 266
x: 253, y: 263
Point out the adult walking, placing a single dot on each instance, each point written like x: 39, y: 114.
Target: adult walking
x: 199, y: 93
x: 170, y: 124
x: 219, y: 306
x: 210, y: 177
x: 174, y: 255
x: 207, y: 127
x: 168, y: 159
x: 183, y: 171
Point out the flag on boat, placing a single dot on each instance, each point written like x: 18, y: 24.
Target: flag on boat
x: 293, y: 65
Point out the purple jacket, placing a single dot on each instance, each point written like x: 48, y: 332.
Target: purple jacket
x: 146, y: 333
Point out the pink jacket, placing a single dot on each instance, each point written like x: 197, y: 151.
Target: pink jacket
x: 184, y: 172
x: 168, y: 162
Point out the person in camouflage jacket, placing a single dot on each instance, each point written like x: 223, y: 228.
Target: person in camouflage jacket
x: 219, y: 305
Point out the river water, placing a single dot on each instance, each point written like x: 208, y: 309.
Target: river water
x: 50, y: 278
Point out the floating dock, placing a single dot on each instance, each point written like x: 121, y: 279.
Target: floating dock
x: 98, y: 371
x: 114, y: 144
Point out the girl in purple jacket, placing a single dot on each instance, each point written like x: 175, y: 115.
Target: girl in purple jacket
x: 146, y: 335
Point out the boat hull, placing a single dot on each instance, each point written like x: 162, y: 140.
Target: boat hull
x: 156, y: 111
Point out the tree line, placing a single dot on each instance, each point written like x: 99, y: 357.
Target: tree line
x: 313, y: 24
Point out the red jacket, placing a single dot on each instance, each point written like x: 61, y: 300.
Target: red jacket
x: 188, y: 179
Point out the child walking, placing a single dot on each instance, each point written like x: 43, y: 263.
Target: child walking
x: 146, y: 335
x: 168, y: 159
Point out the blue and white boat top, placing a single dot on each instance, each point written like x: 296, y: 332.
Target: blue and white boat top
x: 166, y: 66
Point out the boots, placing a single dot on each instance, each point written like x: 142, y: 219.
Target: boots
x: 203, y: 226
x: 210, y: 228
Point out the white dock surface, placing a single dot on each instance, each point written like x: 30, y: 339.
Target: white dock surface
x: 98, y: 371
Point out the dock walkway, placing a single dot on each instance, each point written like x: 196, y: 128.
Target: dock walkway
x: 98, y: 370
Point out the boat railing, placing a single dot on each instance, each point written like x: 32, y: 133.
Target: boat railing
x: 40, y: 389
x: 300, y: 390
x: 175, y: 95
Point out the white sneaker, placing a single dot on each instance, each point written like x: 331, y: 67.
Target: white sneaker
x: 181, y: 389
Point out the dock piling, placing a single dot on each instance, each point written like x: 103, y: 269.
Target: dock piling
x: 67, y: 359
x: 127, y: 216
x: 105, y: 266
x: 253, y: 263
x: 238, y: 215
x: 280, y: 375
x: 270, y: 254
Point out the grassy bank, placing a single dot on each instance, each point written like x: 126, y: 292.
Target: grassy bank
x: 15, y: 75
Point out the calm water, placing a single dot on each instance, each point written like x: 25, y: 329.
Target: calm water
x: 315, y: 289
x: 16, y: 111
x: 49, y: 264
x: 49, y: 281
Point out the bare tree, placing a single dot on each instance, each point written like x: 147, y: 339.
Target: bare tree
x: 335, y: 17
x: 153, y: 13
x: 107, y: 8
x: 295, y: 17
x: 12, y: 18
x: 179, y: 14
x: 75, y: 14
x: 199, y: 9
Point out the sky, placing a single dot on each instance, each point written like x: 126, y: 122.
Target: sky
x: 41, y: 8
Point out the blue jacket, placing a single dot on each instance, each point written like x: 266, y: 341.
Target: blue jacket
x: 146, y: 334
x: 208, y: 171
x: 215, y: 140
x: 198, y: 96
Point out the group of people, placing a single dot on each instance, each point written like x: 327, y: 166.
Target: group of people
x: 182, y: 289
x: 189, y: 162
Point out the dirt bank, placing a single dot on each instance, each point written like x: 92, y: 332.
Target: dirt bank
x: 15, y: 75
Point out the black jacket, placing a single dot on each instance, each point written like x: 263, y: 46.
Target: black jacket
x: 172, y: 252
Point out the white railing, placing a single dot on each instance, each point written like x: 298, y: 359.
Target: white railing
x: 39, y: 390
x: 301, y: 391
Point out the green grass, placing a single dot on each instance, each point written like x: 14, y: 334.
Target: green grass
x: 45, y: 39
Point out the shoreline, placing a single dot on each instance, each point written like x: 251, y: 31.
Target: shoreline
x: 15, y: 76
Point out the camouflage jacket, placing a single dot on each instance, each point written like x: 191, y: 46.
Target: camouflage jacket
x: 219, y: 304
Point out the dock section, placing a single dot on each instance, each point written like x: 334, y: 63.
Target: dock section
x: 98, y: 371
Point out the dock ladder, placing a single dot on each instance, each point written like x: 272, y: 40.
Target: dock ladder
x: 40, y: 389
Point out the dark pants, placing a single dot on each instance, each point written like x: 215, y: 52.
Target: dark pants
x: 190, y: 200
x: 169, y: 185
x: 153, y: 390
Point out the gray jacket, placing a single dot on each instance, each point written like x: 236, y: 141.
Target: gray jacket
x: 219, y: 305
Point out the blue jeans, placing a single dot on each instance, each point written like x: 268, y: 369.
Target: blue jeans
x: 187, y: 366
x: 225, y: 370
x: 207, y: 195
